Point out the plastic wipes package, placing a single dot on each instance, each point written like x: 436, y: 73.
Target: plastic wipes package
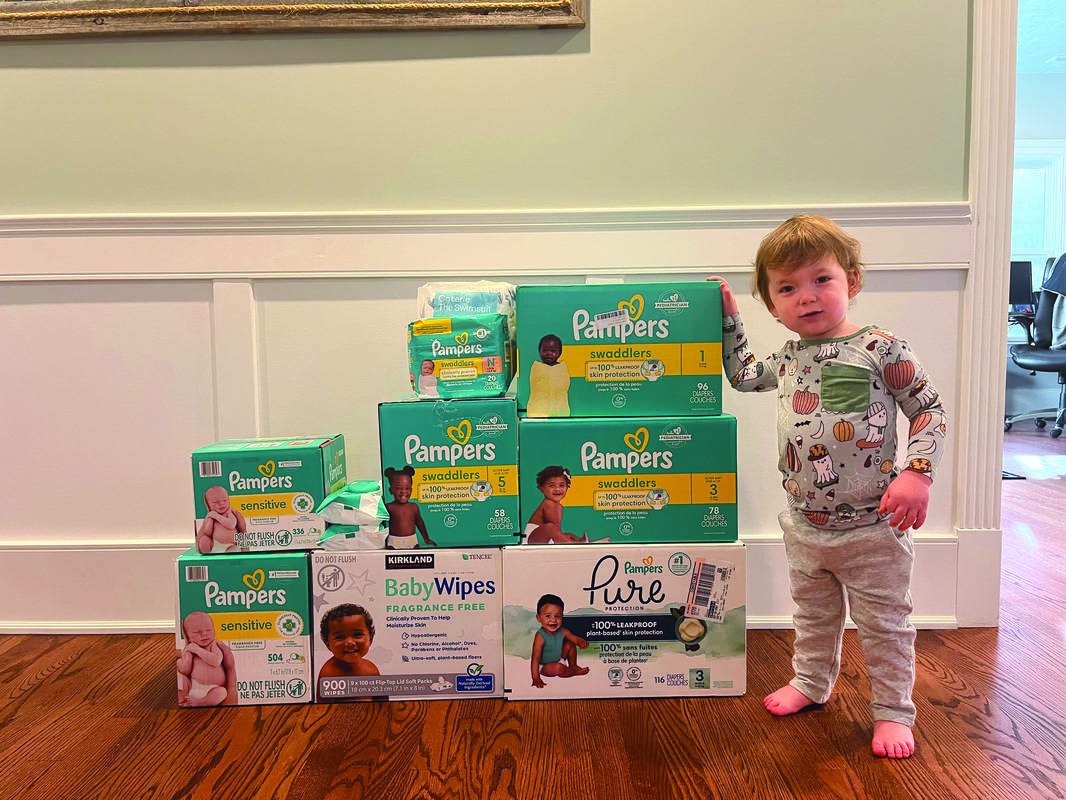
x: 355, y: 503
x: 341, y: 538
x: 460, y: 356
x: 356, y: 518
x: 461, y: 299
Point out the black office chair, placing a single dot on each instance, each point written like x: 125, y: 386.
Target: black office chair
x: 1036, y: 355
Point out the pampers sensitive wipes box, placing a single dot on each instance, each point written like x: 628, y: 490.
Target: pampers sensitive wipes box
x: 629, y: 479
x: 624, y: 621
x: 456, y: 462
x: 261, y: 494
x: 461, y: 356
x: 620, y: 349
x: 243, y: 629
x: 422, y: 625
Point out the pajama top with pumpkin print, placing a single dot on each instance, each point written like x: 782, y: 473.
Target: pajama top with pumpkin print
x: 836, y: 417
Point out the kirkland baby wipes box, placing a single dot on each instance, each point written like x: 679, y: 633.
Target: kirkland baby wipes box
x: 461, y: 356
x: 450, y: 472
x: 261, y: 494
x: 243, y: 629
x: 628, y: 479
x: 620, y: 349
x: 421, y: 625
x: 624, y: 621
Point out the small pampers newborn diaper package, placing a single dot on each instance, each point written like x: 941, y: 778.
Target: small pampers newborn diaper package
x: 620, y: 349
x: 244, y: 631
x: 450, y: 471
x: 651, y: 620
x: 418, y: 625
x: 460, y: 356
x: 628, y: 479
x: 261, y: 494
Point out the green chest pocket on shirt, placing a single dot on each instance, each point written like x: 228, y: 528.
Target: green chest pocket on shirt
x: 845, y: 388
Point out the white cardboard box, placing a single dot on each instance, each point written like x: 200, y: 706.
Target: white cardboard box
x: 656, y: 619
x: 435, y: 619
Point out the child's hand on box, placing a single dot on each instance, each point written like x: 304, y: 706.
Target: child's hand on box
x: 729, y: 301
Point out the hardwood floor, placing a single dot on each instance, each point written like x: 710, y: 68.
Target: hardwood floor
x: 95, y: 716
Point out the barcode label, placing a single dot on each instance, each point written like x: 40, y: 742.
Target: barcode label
x: 196, y: 574
x: 210, y: 469
x: 610, y: 319
x: 708, y: 589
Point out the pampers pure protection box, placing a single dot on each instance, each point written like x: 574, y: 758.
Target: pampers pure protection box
x: 630, y: 479
x: 243, y: 629
x: 415, y: 625
x: 624, y: 621
x: 461, y: 461
x: 620, y: 349
x: 261, y: 494
x: 461, y: 356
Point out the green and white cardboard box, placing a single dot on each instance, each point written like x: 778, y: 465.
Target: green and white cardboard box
x: 637, y: 479
x: 629, y: 349
x: 436, y: 620
x: 259, y: 610
x: 273, y: 484
x: 465, y: 459
x: 658, y: 619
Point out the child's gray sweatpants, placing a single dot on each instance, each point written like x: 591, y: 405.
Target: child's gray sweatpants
x: 872, y: 564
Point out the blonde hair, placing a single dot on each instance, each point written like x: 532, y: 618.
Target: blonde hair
x: 798, y: 241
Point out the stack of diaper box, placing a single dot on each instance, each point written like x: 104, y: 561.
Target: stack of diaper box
x: 423, y: 619
x: 244, y: 617
x: 620, y: 451
x: 626, y: 458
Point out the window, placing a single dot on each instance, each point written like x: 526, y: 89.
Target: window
x: 1038, y: 227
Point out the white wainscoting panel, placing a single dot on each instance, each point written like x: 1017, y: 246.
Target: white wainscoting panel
x: 272, y: 328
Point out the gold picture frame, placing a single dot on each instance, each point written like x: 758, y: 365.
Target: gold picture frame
x: 27, y: 19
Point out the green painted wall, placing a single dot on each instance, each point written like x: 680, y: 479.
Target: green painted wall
x: 686, y: 103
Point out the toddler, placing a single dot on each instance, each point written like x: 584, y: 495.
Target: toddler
x: 554, y: 647
x: 348, y: 631
x: 851, y: 501
x: 549, y: 381
x: 404, y: 515
x: 545, y: 523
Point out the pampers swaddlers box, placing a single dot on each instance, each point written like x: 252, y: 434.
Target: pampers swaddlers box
x: 635, y: 479
x: 421, y: 625
x: 620, y: 349
x: 243, y: 629
x: 461, y: 356
x: 261, y: 494
x: 464, y: 455
x: 658, y: 620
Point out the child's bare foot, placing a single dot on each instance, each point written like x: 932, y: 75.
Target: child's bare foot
x: 786, y: 700
x: 892, y: 739
x: 581, y: 670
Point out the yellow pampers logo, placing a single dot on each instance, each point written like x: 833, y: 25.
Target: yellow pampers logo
x: 637, y: 441
x: 255, y: 580
x: 267, y: 469
x: 648, y: 561
x: 634, y: 305
x: 460, y: 433
x: 462, y: 338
